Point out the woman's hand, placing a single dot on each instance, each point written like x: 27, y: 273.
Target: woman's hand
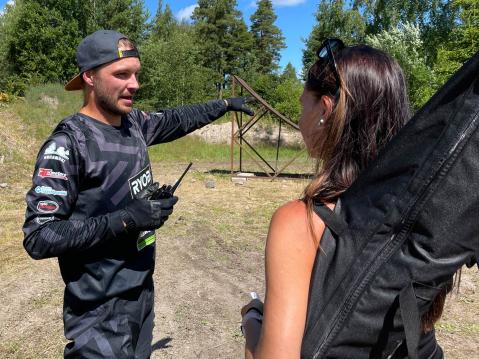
x: 252, y: 319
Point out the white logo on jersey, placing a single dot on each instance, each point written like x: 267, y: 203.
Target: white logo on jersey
x: 54, y: 153
x: 49, y: 190
x: 42, y: 220
x: 140, y: 181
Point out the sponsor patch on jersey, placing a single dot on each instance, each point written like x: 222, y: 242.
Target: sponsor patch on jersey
x: 49, y: 190
x: 140, y: 181
x: 42, y: 220
x: 49, y: 173
x: 54, y: 153
x: 47, y: 206
x: 145, y: 239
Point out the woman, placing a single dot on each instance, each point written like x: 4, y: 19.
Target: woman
x: 354, y: 102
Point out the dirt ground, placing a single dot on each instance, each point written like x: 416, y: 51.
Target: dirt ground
x: 209, y: 257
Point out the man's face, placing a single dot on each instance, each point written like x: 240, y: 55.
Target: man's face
x: 115, y: 84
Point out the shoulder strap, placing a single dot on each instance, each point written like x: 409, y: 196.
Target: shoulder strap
x: 411, y: 319
x: 331, y: 219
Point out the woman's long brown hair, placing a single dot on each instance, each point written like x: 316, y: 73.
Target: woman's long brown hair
x: 371, y: 105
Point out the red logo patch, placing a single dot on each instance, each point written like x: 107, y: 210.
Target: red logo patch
x: 47, y: 172
x: 47, y: 207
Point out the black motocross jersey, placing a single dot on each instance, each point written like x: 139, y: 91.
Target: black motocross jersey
x: 85, y: 173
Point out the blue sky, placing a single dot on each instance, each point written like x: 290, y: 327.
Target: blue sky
x: 295, y: 19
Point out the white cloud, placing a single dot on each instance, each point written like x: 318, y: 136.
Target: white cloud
x: 288, y: 2
x: 185, y: 13
x: 9, y: 3
x: 279, y: 3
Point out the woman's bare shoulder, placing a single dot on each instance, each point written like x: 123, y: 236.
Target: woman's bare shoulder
x: 291, y: 221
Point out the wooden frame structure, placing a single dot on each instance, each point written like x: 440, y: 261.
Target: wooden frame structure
x: 237, y: 137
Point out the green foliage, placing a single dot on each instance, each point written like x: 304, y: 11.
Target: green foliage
x: 224, y: 39
x: 404, y: 44
x: 171, y: 72
x: 334, y: 19
x: 287, y: 94
x: 434, y: 18
x: 287, y: 98
x: 430, y: 38
x: 39, y: 37
x: 268, y: 40
x: 40, y: 43
x: 193, y: 61
x: 463, y: 41
x: 164, y: 22
x: 126, y: 16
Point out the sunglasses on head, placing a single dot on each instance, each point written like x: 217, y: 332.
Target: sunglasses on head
x: 327, y: 50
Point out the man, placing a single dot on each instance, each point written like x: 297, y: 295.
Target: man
x: 88, y: 204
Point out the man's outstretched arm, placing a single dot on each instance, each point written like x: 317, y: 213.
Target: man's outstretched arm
x: 169, y: 124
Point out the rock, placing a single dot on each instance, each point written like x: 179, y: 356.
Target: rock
x: 245, y: 174
x: 239, y: 181
x: 210, y: 184
x: 3, y: 185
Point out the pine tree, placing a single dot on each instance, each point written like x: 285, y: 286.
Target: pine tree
x: 164, y: 22
x: 463, y: 40
x: 224, y: 39
x: 289, y: 72
x: 268, y: 40
x: 126, y: 16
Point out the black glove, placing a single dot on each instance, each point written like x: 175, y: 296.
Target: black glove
x: 239, y: 104
x: 154, y: 191
x: 146, y: 215
x: 148, y: 191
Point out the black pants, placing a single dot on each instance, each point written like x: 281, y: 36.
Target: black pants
x: 119, y: 328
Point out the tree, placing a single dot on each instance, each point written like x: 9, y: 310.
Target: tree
x: 434, y: 18
x: 224, y: 39
x: 405, y: 45
x: 164, y: 22
x: 463, y: 41
x: 287, y: 93
x: 126, y: 16
x: 41, y: 42
x: 289, y: 72
x: 40, y: 37
x: 268, y: 40
x: 334, y: 19
x: 171, y: 71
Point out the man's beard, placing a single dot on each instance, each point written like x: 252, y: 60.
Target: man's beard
x: 108, y: 102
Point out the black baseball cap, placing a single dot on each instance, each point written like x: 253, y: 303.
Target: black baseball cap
x: 97, y: 49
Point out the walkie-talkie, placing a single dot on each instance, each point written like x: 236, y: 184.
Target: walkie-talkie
x: 167, y: 191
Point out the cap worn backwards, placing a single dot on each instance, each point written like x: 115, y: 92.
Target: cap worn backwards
x: 97, y: 49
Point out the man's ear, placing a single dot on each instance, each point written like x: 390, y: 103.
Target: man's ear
x: 88, y: 77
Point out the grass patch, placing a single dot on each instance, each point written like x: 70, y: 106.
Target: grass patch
x: 44, y: 106
x: 463, y: 328
x: 190, y: 148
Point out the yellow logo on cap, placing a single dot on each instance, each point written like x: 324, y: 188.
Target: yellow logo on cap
x: 120, y: 54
